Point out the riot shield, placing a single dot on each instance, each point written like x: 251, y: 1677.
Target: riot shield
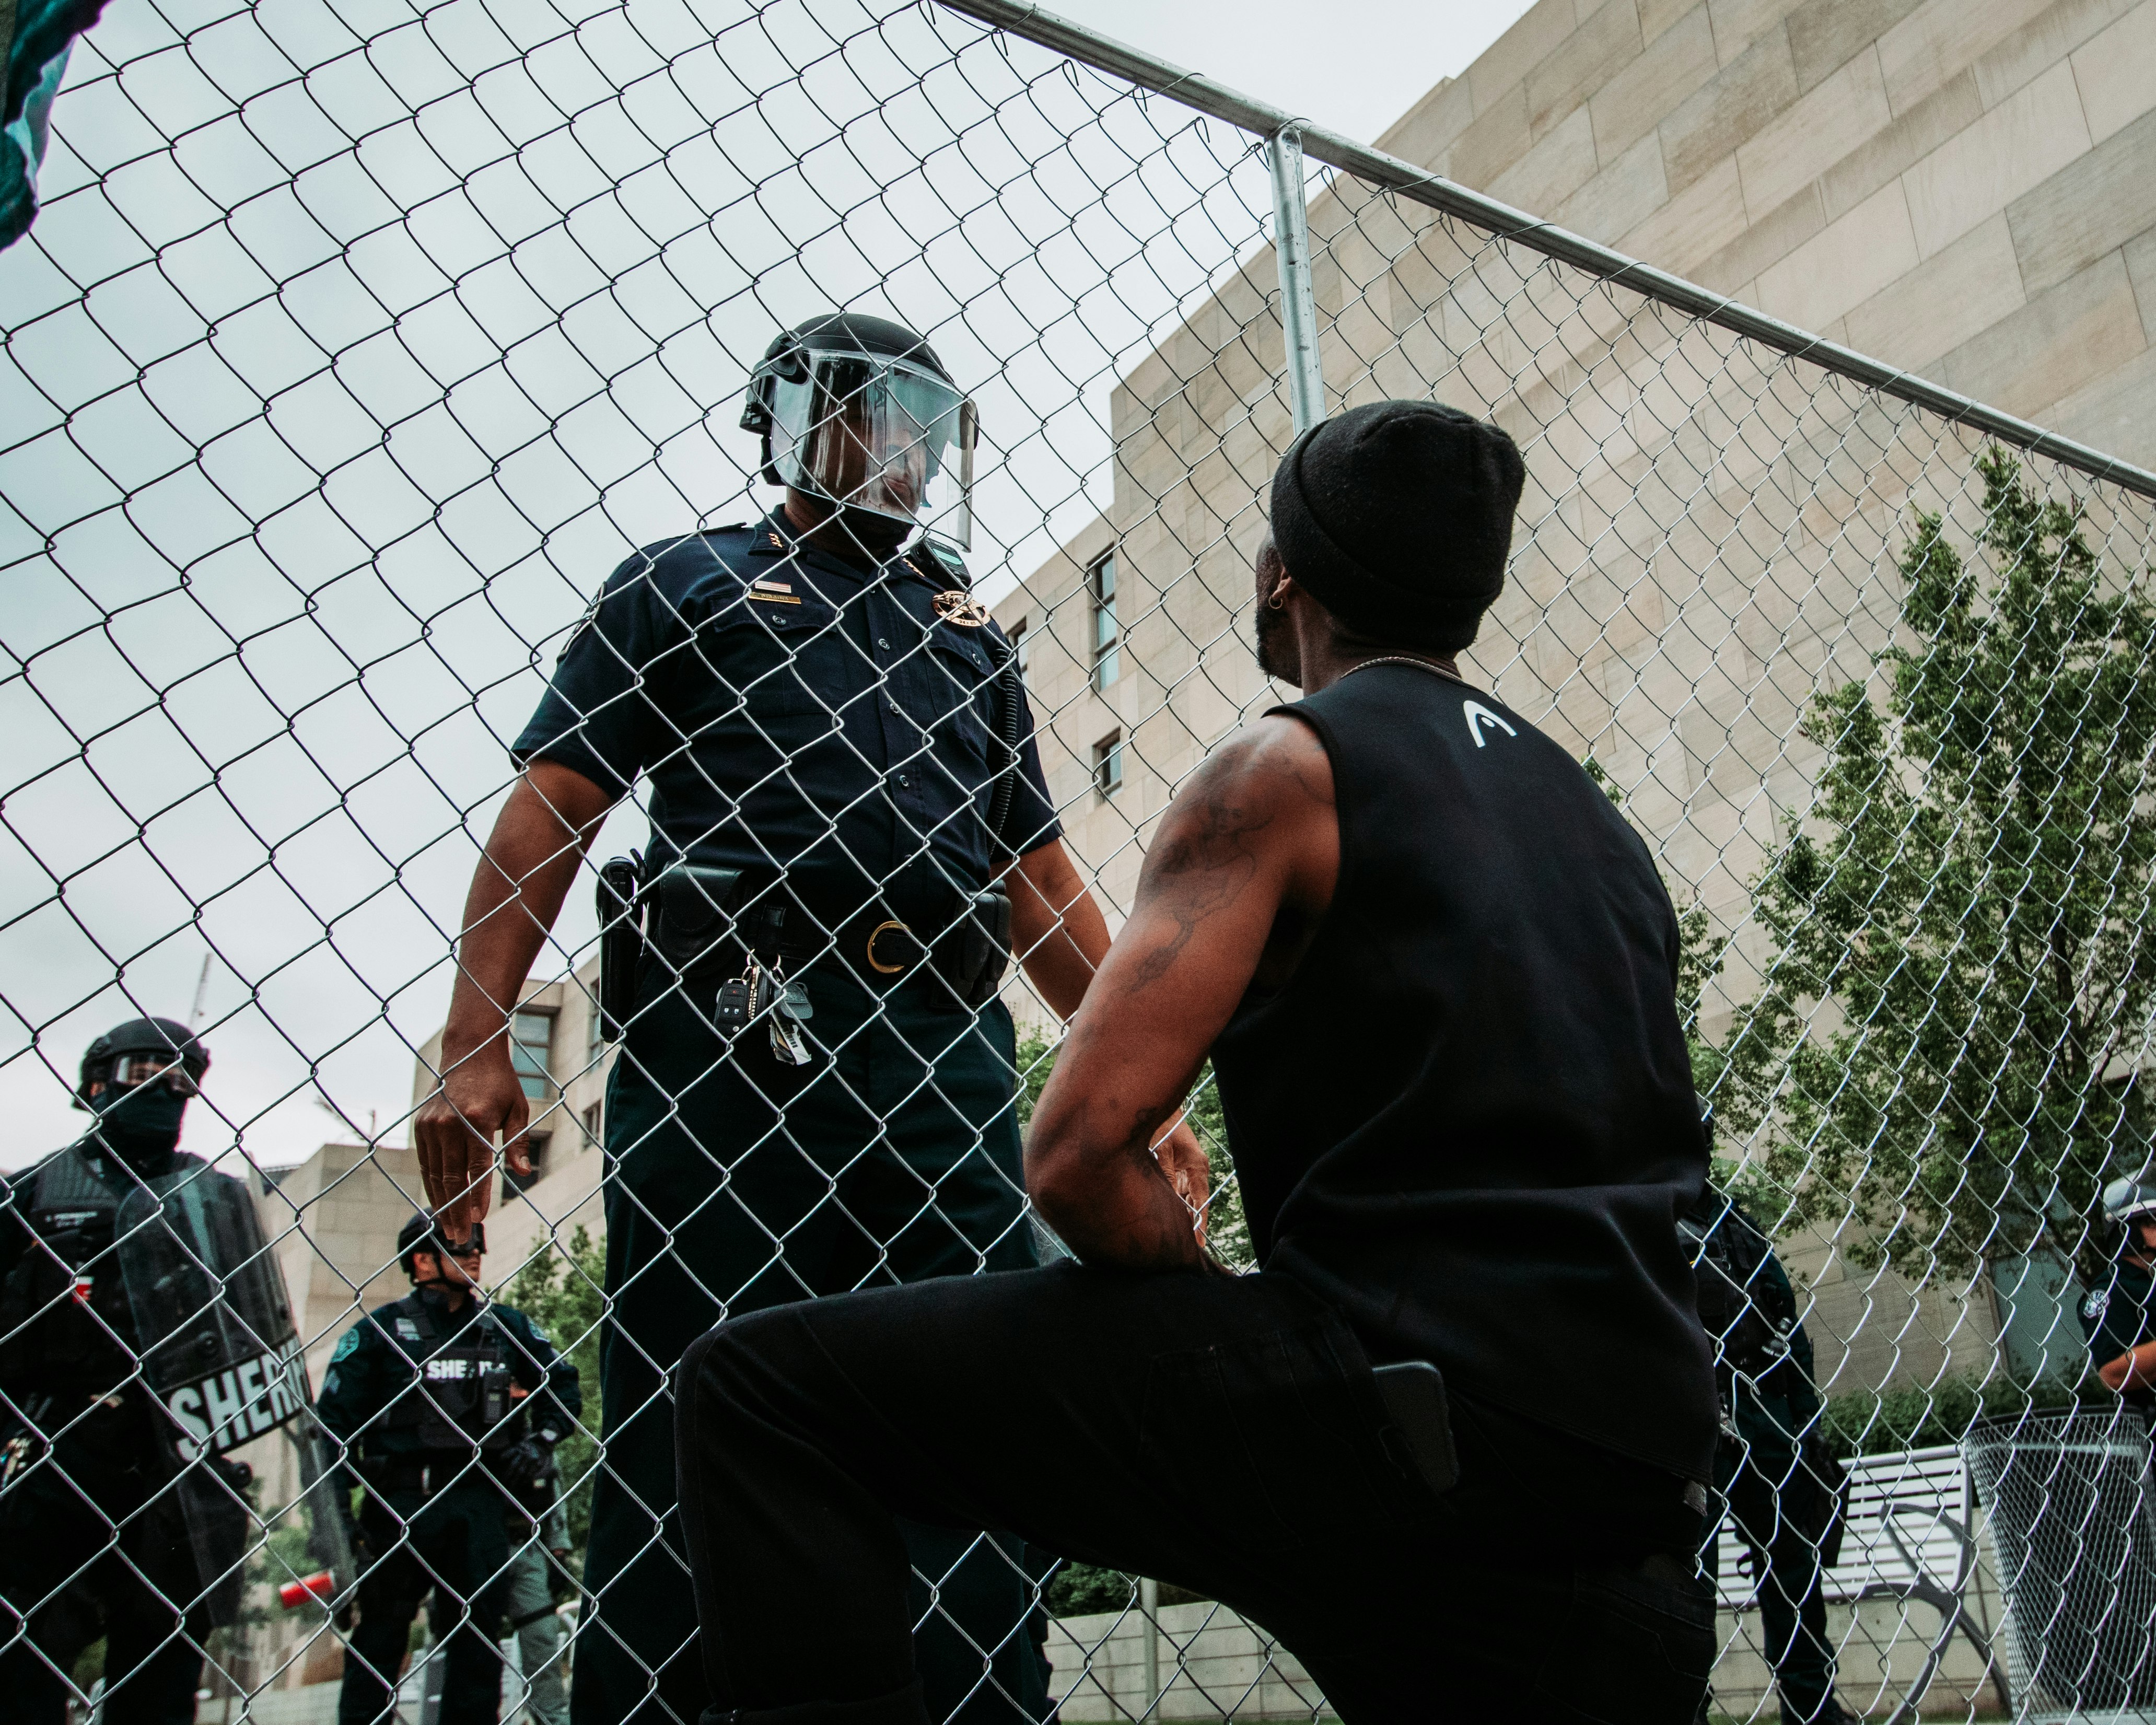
x: 220, y: 1350
x: 256, y: 1486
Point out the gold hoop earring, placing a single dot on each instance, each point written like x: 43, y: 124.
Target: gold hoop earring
x: 1276, y: 603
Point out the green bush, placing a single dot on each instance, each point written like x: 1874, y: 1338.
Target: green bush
x: 1864, y: 1422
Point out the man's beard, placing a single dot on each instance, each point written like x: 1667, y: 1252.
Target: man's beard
x: 1272, y: 639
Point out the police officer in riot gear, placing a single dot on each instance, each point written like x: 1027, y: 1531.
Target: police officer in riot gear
x: 114, y: 1520
x: 2119, y: 1317
x: 1773, y: 1468
x: 450, y: 1405
x: 850, y: 833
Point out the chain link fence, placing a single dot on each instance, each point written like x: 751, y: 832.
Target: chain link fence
x: 353, y: 345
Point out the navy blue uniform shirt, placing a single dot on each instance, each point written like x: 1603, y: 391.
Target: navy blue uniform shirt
x: 795, y: 712
x: 2119, y: 1317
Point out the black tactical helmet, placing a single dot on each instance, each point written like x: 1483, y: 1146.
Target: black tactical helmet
x: 161, y: 1038
x: 832, y: 331
x: 860, y: 410
x: 422, y: 1233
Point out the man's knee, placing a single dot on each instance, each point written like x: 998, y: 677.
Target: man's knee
x: 730, y: 1371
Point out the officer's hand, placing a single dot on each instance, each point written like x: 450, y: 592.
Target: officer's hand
x: 1183, y: 1160
x: 524, y: 1464
x: 454, y: 1133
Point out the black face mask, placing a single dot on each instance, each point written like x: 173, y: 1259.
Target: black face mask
x: 141, y: 1126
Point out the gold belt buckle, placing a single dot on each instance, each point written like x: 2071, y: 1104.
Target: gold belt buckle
x: 875, y: 934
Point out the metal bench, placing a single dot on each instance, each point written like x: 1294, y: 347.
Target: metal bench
x: 1910, y: 1536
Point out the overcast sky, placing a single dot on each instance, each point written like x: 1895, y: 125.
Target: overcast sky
x: 298, y: 503
x: 1355, y: 66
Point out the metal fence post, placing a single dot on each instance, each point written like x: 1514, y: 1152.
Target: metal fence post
x: 1149, y: 1609
x: 1305, y: 381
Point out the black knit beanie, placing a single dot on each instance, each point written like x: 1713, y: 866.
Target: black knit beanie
x: 1397, y: 517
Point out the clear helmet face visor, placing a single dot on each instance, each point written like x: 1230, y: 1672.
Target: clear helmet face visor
x: 879, y: 434
x: 131, y: 1071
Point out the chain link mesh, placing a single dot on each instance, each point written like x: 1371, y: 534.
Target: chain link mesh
x: 355, y: 341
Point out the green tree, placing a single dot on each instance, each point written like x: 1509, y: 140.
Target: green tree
x: 561, y: 1290
x: 1942, y: 1049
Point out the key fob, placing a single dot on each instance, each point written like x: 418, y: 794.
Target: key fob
x: 736, y: 1006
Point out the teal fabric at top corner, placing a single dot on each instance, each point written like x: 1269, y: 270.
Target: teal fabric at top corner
x: 37, y: 35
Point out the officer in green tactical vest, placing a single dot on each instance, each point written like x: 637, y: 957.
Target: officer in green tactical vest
x: 450, y: 1405
x: 1773, y: 1467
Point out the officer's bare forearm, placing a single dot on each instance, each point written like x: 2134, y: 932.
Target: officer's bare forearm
x: 540, y: 836
x: 1056, y: 928
x: 2134, y: 1369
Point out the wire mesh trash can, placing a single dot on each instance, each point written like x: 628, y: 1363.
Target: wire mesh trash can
x: 2075, y: 1543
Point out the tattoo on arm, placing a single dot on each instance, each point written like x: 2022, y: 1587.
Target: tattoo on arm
x: 1204, y: 859
x: 1207, y: 857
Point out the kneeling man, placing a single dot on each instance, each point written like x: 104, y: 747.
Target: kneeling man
x: 1436, y: 972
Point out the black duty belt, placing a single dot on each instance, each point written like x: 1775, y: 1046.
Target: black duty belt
x: 426, y: 1474
x: 710, y: 921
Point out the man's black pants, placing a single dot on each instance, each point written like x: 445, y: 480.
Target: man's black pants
x: 1223, y: 1434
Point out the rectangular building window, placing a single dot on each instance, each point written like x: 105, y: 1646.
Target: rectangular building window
x: 1021, y: 641
x: 1108, y: 764
x: 530, y: 1046
x: 594, y: 1123
x: 537, y: 1144
x: 594, y: 1027
x: 1107, y: 635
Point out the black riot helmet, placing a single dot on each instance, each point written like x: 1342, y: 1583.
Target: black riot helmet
x: 139, y: 1051
x: 423, y: 1233
x: 860, y: 410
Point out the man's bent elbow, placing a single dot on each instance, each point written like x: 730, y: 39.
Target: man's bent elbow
x: 1054, y: 1182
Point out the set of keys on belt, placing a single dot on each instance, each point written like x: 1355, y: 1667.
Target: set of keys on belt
x: 761, y: 989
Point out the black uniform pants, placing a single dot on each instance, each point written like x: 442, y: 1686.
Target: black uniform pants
x: 85, y: 1551
x: 1771, y: 1494
x: 1223, y: 1434
x: 450, y: 1545
x: 737, y: 1183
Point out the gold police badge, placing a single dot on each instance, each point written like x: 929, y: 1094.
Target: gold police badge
x: 961, y: 608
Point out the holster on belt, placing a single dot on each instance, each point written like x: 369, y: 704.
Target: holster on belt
x: 693, y: 910
x: 621, y: 943
x: 984, y: 936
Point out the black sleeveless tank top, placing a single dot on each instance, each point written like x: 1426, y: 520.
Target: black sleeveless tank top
x: 1468, y: 1120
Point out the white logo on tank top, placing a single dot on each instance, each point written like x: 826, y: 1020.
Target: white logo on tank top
x: 1477, y: 715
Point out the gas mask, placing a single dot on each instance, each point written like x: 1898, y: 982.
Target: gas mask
x: 140, y: 1109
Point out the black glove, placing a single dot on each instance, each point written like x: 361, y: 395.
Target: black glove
x: 527, y: 1463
